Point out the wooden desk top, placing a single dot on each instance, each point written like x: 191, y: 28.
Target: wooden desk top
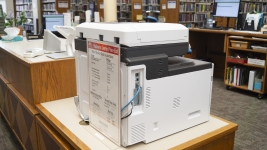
x: 18, y: 48
x: 233, y: 32
x: 63, y: 116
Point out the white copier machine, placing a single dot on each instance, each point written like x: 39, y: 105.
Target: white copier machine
x: 174, y: 92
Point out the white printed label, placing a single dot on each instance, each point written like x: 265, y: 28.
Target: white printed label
x: 171, y: 4
x: 104, y: 88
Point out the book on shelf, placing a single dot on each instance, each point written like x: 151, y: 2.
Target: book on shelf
x: 237, y: 76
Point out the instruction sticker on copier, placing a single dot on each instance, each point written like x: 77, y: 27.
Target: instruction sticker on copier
x: 104, y: 88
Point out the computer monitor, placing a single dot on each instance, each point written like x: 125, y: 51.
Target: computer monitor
x: 226, y: 8
x: 50, y: 20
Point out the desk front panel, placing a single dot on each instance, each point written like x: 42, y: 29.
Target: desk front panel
x: 22, y: 119
x: 4, y: 103
x: 48, y: 137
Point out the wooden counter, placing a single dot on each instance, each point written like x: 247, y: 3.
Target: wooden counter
x: 63, y: 116
x: 37, y: 79
x: 25, y: 82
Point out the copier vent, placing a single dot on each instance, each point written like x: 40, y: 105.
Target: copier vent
x: 148, y: 97
x: 138, y: 133
x: 176, y: 102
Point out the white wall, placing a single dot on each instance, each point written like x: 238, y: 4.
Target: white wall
x: 3, y: 3
x: 9, y: 5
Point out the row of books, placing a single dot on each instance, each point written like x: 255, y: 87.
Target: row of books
x: 49, y: 1
x: 152, y: 8
x: 254, y: 0
x: 20, y: 2
x: 124, y: 1
x: 150, y: 1
x: 198, y: 1
x: 49, y: 6
x: 248, y: 7
x: 24, y: 7
x: 193, y: 17
x: 125, y: 7
x: 28, y: 27
x: 237, y: 75
x: 186, y: 17
x: 187, y: 7
x: 123, y: 15
x: 204, y: 8
x: 201, y: 17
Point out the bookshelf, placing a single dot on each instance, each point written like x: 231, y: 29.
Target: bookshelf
x: 250, y: 5
x: 124, y: 10
x: 49, y: 7
x: 26, y: 6
x: 79, y: 7
x: 237, y: 70
x: 151, y: 8
x: 194, y: 12
x: 54, y: 6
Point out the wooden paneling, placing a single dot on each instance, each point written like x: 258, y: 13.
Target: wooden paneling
x: 48, y: 137
x: 198, y: 42
x: 163, y: 12
x: 16, y: 73
x: 101, y: 11
x: 64, y: 131
x: 53, y: 80
x: 4, y: 103
x: 222, y: 22
x: 136, y: 12
x: 39, y: 82
x: 171, y: 15
x: 211, y: 46
x: 22, y: 119
x: 62, y: 10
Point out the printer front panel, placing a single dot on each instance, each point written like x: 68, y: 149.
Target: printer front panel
x: 167, y: 105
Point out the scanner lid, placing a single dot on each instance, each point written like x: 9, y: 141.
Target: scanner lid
x: 135, y: 34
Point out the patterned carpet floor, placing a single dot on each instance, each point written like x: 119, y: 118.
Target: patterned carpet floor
x: 238, y: 106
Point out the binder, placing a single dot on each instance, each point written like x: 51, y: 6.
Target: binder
x: 252, y: 74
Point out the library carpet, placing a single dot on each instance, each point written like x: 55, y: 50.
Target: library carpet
x: 238, y: 106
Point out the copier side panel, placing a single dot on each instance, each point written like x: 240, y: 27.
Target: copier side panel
x: 169, y: 105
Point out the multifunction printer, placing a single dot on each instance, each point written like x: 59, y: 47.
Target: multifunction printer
x: 169, y: 93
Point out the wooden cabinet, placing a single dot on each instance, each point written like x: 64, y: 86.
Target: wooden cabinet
x: 238, y: 64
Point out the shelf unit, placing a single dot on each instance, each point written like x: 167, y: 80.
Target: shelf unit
x: 250, y: 5
x: 151, y: 8
x: 242, y: 78
x: 49, y: 7
x: 193, y: 12
x: 25, y: 6
x: 78, y: 8
x: 124, y: 10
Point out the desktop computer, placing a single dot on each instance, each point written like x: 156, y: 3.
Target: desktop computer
x: 54, y: 19
x: 226, y: 8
